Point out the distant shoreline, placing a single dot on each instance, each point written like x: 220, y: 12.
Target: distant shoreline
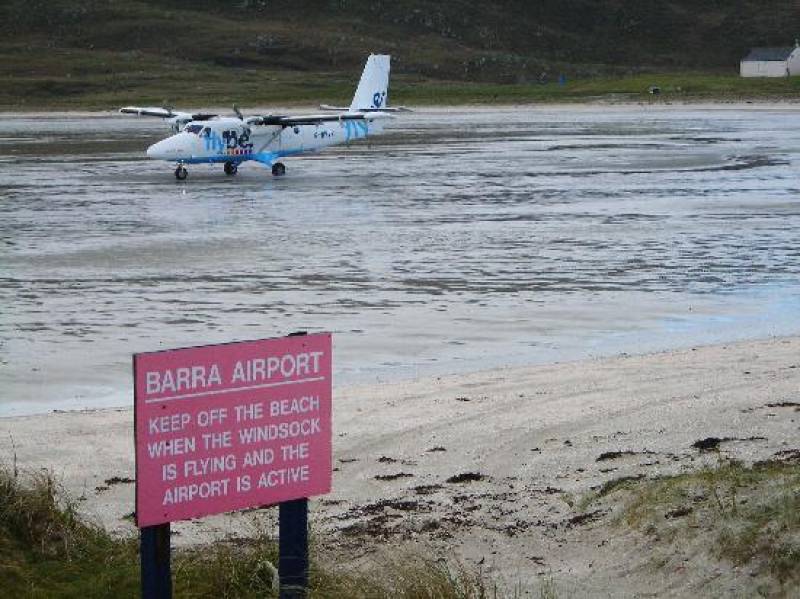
x: 711, y: 104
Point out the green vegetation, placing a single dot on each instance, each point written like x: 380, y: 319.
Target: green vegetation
x: 204, y: 86
x: 47, y: 550
x: 101, y: 54
x: 749, y: 516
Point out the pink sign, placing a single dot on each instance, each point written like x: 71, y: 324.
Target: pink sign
x: 228, y: 427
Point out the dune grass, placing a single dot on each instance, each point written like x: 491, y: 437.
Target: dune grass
x: 753, y: 513
x: 48, y: 550
x: 746, y: 515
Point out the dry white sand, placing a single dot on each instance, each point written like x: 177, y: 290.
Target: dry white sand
x: 533, y: 434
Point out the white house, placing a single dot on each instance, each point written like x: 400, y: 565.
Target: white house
x: 772, y: 62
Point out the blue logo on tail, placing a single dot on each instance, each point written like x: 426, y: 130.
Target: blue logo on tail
x: 377, y: 99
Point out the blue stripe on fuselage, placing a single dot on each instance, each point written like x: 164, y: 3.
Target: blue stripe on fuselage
x: 266, y: 158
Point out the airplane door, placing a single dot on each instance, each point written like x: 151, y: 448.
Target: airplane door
x: 268, y: 139
x: 292, y: 139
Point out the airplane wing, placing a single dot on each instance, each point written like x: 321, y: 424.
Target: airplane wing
x: 311, y: 119
x: 165, y: 113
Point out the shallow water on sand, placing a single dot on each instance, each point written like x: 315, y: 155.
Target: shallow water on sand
x: 460, y: 240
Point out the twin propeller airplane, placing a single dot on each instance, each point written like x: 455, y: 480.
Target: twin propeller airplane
x: 209, y: 138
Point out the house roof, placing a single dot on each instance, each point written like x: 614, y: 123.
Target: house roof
x: 769, y: 54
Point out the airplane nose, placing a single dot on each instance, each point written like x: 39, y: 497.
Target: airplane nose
x: 172, y: 148
x: 156, y: 151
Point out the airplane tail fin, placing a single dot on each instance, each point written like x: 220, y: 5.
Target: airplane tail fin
x: 373, y: 89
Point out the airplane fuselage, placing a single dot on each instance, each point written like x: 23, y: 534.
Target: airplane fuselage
x: 231, y: 140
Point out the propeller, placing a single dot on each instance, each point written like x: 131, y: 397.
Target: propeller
x: 238, y: 112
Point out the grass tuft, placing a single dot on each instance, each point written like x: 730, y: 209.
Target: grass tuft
x: 548, y: 590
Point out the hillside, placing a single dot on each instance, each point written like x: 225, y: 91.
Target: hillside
x: 53, y: 50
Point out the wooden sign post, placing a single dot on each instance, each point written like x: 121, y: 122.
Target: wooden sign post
x: 154, y: 551
x: 293, y: 549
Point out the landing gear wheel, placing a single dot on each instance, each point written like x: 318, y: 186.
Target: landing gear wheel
x: 181, y: 173
x: 230, y: 168
x: 278, y: 169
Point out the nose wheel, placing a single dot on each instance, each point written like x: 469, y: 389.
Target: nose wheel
x: 230, y: 168
x: 181, y: 173
x: 278, y: 169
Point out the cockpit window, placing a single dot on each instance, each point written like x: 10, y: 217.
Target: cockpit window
x: 193, y: 129
x: 206, y: 132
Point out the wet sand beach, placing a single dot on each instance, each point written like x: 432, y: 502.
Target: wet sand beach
x: 463, y: 240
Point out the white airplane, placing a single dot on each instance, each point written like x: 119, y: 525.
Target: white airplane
x: 209, y: 138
